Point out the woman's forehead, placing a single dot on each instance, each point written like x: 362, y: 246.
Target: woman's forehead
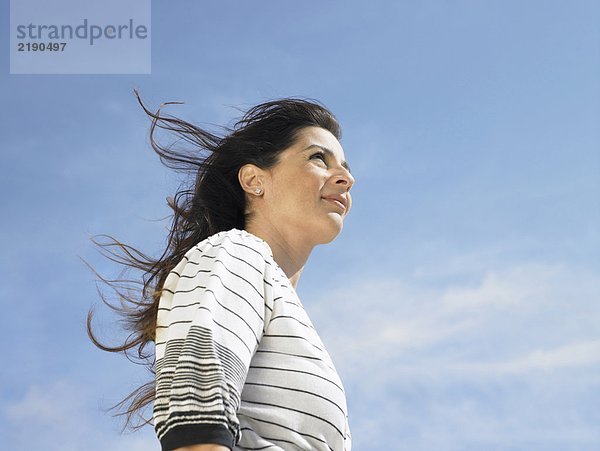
x: 320, y: 137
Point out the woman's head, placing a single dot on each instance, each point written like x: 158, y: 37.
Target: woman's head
x: 253, y: 154
x: 288, y: 149
x: 306, y: 193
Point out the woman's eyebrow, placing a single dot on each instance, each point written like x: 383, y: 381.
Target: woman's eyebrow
x: 331, y: 154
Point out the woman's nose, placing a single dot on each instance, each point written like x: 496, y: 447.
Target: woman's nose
x: 346, y: 178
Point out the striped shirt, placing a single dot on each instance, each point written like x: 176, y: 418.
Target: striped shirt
x: 238, y: 361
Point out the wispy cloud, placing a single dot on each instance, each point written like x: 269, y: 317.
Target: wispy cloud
x: 516, y: 349
x: 64, y: 416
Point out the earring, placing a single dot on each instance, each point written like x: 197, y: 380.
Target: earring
x: 257, y: 190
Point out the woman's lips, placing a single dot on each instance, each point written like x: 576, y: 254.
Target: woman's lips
x: 336, y: 202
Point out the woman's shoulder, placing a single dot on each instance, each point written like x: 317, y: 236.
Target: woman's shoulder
x: 237, y: 244
x: 234, y: 256
x: 237, y: 240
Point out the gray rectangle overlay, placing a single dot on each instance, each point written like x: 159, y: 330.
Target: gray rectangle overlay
x: 80, y: 37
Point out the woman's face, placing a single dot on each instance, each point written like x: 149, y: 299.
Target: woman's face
x: 299, y: 190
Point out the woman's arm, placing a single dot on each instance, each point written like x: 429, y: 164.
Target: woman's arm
x: 203, y: 448
x: 212, y: 315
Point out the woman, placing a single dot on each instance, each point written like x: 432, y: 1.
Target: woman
x: 238, y: 363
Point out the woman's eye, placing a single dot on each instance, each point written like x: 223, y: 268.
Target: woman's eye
x: 319, y: 154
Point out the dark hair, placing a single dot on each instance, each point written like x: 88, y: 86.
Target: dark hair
x: 210, y: 202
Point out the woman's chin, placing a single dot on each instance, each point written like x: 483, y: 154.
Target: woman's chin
x: 328, y: 232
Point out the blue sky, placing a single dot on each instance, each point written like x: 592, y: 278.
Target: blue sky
x: 461, y: 302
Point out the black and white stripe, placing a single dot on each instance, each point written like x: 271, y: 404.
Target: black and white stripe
x: 238, y: 361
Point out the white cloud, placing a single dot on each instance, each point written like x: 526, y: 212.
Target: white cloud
x: 45, y: 405
x: 64, y: 416
x: 505, y: 359
x: 528, y: 313
x: 580, y: 354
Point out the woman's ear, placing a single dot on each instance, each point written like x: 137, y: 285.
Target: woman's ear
x: 251, y: 179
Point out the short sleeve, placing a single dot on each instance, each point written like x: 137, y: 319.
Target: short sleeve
x: 213, y: 310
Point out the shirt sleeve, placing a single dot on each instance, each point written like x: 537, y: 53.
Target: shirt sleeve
x: 214, y: 308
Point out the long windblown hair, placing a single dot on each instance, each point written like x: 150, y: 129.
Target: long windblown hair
x: 209, y: 201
